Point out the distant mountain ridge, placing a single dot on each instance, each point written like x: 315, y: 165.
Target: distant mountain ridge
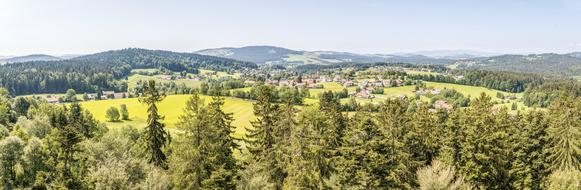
x: 278, y: 55
x: 33, y: 57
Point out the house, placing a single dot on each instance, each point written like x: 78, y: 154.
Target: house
x: 378, y: 83
x: 108, y: 93
x: 286, y: 83
x: 309, y: 81
x: 364, y: 94
x: 386, y: 82
x: 165, y: 77
x: 52, y: 99
x: 435, y: 91
x: 92, y: 96
x: 348, y: 84
x: 120, y: 95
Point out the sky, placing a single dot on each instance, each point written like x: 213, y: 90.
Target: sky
x: 60, y: 27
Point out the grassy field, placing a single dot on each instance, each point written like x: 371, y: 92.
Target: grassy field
x: 472, y: 91
x: 409, y: 71
x: 220, y: 73
x: 332, y: 86
x: 171, y: 107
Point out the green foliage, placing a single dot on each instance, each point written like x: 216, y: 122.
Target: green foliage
x: 155, y: 137
x: 11, y: 150
x: 564, y: 133
x: 565, y: 180
x: 70, y: 96
x: 124, y: 112
x: 112, y: 114
x: 484, y: 151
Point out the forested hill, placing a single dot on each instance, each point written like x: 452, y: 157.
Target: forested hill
x: 549, y: 63
x: 101, y: 70
x: 34, y: 57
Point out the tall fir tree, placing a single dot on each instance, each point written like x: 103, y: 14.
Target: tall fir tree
x: 155, y: 136
x: 394, y: 122
x: 225, y: 170
x: 191, y: 148
x: 484, y: 153
x: 308, y: 167
x: 529, y: 166
x: 260, y: 137
x: 564, y: 151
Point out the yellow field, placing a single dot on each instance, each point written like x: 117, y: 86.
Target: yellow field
x: 171, y: 107
x: 473, y: 91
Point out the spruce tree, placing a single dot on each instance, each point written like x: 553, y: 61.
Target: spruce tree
x: 529, y: 166
x: 308, y: 166
x: 191, y: 147
x: 331, y: 107
x: 485, y: 151
x: 393, y: 122
x: 564, y: 151
x: 364, y: 156
x: 155, y: 136
x: 260, y: 137
x: 224, y: 169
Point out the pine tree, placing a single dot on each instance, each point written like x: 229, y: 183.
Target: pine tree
x: 72, y: 128
x: 422, y: 137
x: 260, y: 137
x: 224, y: 166
x: 191, y: 147
x: 331, y: 107
x: 393, y: 122
x: 364, y: 156
x: 155, y: 136
x: 564, y: 132
x: 485, y: 151
x: 308, y: 166
x: 529, y: 167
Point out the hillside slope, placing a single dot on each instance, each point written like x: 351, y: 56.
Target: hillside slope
x: 549, y: 63
x: 34, y: 57
x: 103, y: 70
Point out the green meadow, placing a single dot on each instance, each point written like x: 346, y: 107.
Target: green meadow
x: 171, y: 107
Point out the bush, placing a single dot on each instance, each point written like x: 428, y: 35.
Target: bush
x: 112, y: 114
x: 124, y: 112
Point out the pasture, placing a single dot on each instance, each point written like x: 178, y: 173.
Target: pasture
x: 171, y: 107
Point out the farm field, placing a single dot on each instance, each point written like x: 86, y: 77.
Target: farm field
x: 409, y: 71
x: 132, y: 80
x: 171, y: 107
x: 332, y: 86
x: 473, y: 91
x: 219, y: 73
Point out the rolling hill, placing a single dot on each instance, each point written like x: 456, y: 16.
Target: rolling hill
x: 33, y: 57
x: 548, y: 63
x: 103, y: 70
x: 278, y: 55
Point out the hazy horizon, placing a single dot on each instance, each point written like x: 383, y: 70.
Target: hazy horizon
x: 82, y: 27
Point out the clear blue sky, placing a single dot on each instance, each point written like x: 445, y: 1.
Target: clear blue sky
x: 364, y: 26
